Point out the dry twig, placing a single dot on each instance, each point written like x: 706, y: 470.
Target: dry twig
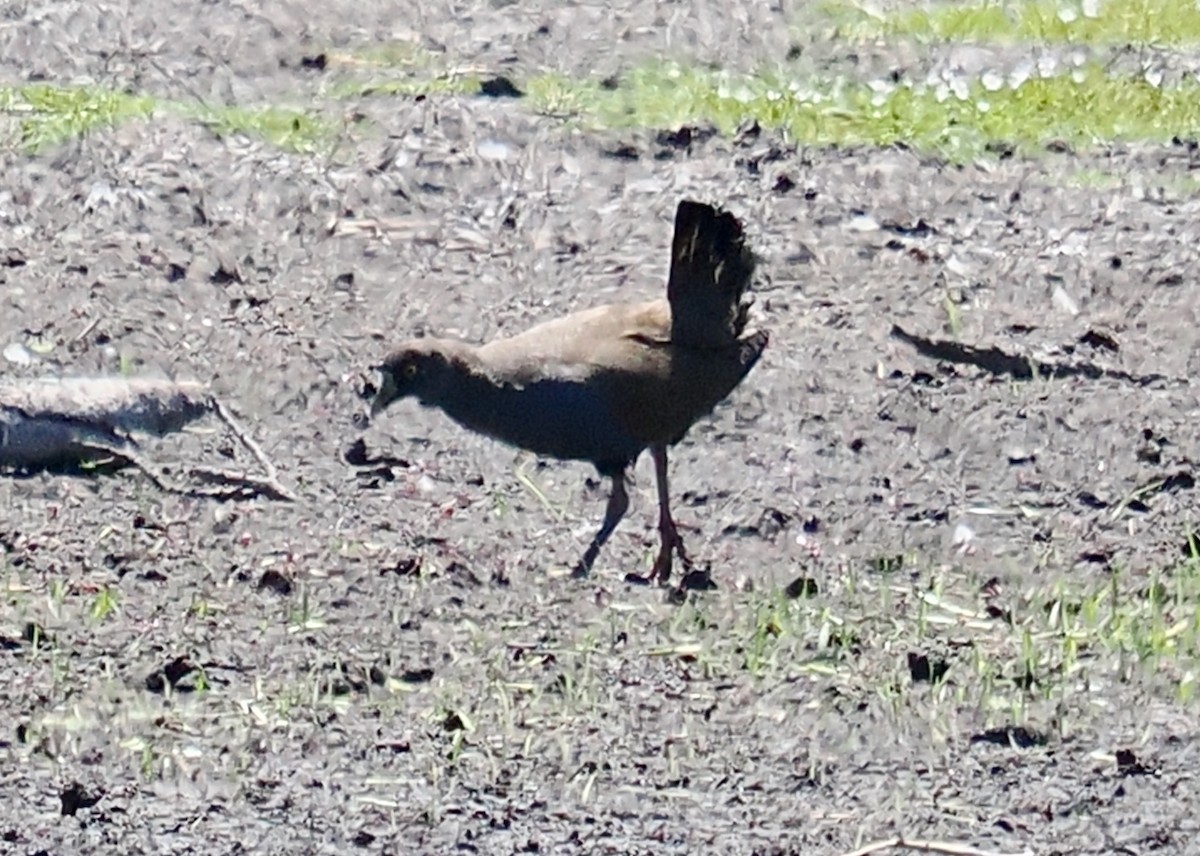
x: 944, y: 847
x: 65, y: 423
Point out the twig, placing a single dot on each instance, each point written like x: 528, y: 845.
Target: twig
x: 246, y: 440
x: 944, y: 847
x: 127, y: 457
x: 87, y: 328
x: 268, y: 487
x: 244, y: 483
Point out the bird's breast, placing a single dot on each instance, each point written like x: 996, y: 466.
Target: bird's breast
x: 567, y: 419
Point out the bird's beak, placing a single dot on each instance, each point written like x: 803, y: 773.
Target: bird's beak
x: 385, y: 396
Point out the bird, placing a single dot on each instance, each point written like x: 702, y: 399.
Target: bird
x: 605, y: 384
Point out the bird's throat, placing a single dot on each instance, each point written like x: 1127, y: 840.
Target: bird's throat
x: 465, y: 391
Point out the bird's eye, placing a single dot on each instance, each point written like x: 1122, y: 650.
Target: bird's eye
x: 409, y: 371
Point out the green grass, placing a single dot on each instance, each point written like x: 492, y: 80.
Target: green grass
x: 1084, y: 108
x: 410, y: 86
x: 394, y: 53
x: 49, y: 115
x: 291, y: 130
x: 1055, y: 654
x: 1107, y: 22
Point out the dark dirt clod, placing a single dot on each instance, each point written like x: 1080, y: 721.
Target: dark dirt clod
x: 170, y: 676
x: 1018, y: 736
x: 685, y: 136
x: 406, y: 567
x: 34, y: 634
x: 275, y: 581
x: 417, y: 676
x: 1129, y: 765
x: 922, y: 669
x: 500, y: 87
x: 356, y: 453
x: 801, y: 587
x: 698, y: 579
x: 676, y: 596
x: 74, y: 797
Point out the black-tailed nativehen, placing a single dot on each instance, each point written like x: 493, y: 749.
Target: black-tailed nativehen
x: 604, y: 384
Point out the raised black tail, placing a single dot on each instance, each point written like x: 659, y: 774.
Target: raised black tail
x: 711, y: 271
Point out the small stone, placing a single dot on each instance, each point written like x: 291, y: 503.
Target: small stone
x: 493, y: 150
x: 863, y: 223
x: 18, y: 354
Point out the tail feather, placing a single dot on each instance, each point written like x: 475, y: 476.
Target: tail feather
x: 711, y: 271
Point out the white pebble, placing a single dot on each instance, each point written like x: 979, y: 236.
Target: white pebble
x: 18, y: 354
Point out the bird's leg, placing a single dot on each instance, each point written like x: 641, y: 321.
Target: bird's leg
x: 667, y: 530
x: 618, y: 504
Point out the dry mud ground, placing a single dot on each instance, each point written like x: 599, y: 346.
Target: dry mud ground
x: 396, y: 663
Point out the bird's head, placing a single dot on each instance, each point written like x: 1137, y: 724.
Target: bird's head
x: 416, y: 368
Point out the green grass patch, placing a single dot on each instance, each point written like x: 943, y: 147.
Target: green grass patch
x: 1084, y: 108
x: 402, y: 68
x: 1096, y: 22
x: 48, y: 115
x: 410, y: 86
x: 395, y: 53
x: 293, y: 130
x: 1055, y: 652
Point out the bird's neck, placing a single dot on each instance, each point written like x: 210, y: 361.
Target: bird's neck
x: 467, y: 392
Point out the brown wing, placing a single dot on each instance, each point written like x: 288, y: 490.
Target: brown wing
x: 711, y: 269
x: 580, y: 344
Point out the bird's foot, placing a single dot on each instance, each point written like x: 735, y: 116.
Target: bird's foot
x: 672, y: 545
x: 583, y: 568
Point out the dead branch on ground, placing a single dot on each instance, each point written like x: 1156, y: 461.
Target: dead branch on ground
x: 88, y: 422
x: 943, y: 847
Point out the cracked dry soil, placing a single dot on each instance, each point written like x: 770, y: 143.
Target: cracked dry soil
x: 396, y: 662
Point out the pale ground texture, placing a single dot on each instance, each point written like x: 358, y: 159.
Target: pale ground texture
x: 396, y: 663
